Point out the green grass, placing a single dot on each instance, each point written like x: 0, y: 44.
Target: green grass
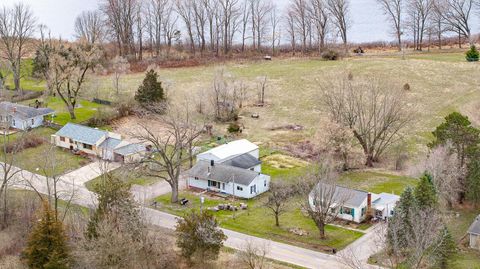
x: 377, y: 182
x: 257, y: 221
x: 32, y: 159
x: 27, y: 82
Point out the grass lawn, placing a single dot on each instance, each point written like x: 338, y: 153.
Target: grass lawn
x: 127, y: 175
x: 377, y: 182
x: 84, y: 111
x: 30, y: 159
x: 257, y: 221
x: 27, y: 82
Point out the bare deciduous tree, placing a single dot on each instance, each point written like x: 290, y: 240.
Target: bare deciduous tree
x: 120, y: 66
x: 394, y: 11
x: 278, y: 198
x: 340, y: 16
x: 89, y: 27
x: 69, y: 68
x: 322, y: 197
x: 457, y: 14
x: 318, y: 13
x: 120, y: 19
x: 253, y: 255
x: 170, y: 150
x: 374, y: 112
x: 17, y: 26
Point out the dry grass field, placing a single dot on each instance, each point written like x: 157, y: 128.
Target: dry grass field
x: 440, y: 83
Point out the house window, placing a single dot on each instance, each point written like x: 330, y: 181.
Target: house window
x: 265, y: 183
x: 239, y: 188
x: 253, y: 189
x: 62, y: 138
x: 212, y: 183
x: 196, y: 178
x: 71, y: 140
x: 346, y: 210
x: 33, y: 121
x: 87, y: 146
x: 364, y: 210
x: 13, y: 122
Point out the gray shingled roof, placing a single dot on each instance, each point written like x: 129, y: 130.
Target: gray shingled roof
x: 350, y: 197
x: 222, y: 173
x: 244, y: 161
x: 22, y: 111
x: 475, y: 227
x: 130, y: 149
x: 81, y: 133
x: 110, y: 143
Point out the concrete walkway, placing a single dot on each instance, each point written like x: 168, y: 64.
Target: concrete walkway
x: 69, y: 185
x: 143, y: 194
x: 88, y: 172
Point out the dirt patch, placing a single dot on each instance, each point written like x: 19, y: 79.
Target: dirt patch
x: 132, y: 126
x: 292, y: 127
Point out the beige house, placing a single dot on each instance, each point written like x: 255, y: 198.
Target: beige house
x: 98, y: 143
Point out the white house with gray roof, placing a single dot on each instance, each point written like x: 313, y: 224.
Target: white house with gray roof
x: 23, y: 117
x: 474, y: 234
x: 232, y: 168
x: 354, y: 205
x: 99, y: 143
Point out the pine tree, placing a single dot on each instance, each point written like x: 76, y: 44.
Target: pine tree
x: 47, y: 243
x: 425, y: 193
x: 446, y: 249
x: 406, y: 205
x: 151, y: 90
x: 472, y: 54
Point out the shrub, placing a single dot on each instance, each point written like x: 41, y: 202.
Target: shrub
x: 472, y: 54
x: 26, y: 142
x: 102, y: 118
x: 406, y: 87
x: 330, y: 55
x: 125, y: 108
x: 234, y: 128
x: 198, y: 234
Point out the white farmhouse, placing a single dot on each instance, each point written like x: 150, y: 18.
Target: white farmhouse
x: 23, y: 117
x: 99, y: 143
x: 355, y: 205
x: 232, y: 168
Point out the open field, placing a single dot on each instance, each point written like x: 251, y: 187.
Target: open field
x: 440, y: 83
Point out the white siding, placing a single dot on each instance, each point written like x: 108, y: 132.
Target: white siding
x: 237, y: 189
x: 475, y: 241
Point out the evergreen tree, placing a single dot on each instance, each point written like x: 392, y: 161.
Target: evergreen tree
x: 113, y: 194
x: 473, y: 181
x: 425, y: 194
x: 472, y: 54
x: 47, y: 243
x: 458, y: 130
x: 151, y: 90
x: 198, y: 234
x: 405, y: 206
x: 446, y: 249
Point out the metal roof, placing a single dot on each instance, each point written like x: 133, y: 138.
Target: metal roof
x: 81, y: 133
x: 130, y: 149
x: 22, y: 111
x: 223, y: 173
x: 244, y: 161
x: 475, y: 227
x: 234, y: 148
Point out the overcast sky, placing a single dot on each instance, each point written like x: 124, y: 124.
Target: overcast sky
x: 368, y: 22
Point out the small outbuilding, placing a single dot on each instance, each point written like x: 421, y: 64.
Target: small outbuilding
x: 474, y: 233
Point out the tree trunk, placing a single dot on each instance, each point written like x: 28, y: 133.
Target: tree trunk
x: 277, y: 222
x: 321, y: 230
x: 370, y: 160
x: 71, y: 110
x: 16, y: 81
x: 174, y: 197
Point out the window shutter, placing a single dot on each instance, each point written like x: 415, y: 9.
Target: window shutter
x: 353, y: 212
x: 341, y: 210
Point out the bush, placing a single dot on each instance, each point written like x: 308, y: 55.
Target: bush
x: 102, y: 118
x: 29, y: 141
x: 198, y: 234
x: 472, y: 54
x: 234, y: 128
x: 406, y: 87
x: 330, y: 55
x: 125, y: 108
